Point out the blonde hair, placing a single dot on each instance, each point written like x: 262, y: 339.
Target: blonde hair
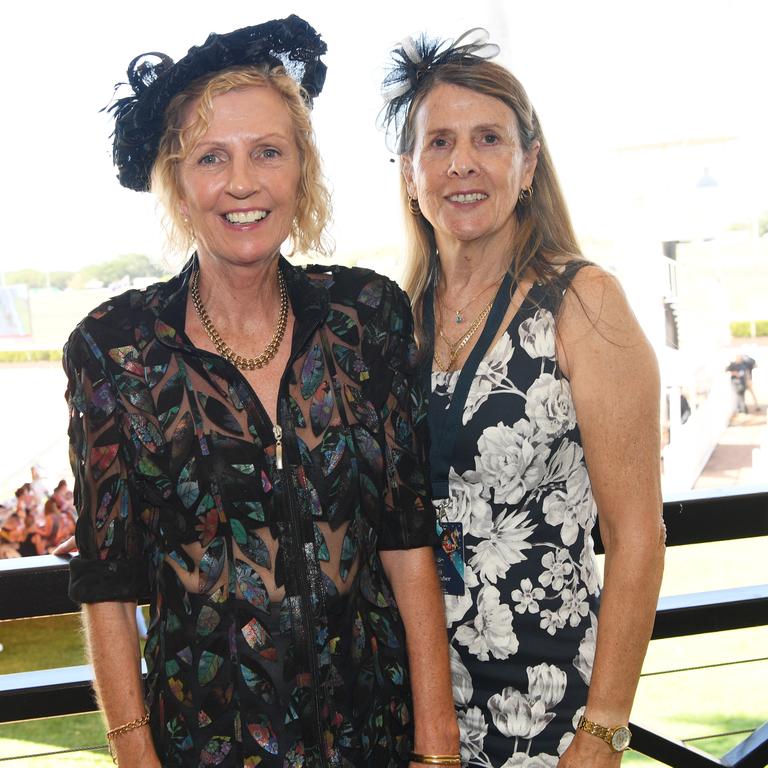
x: 313, y: 204
x: 544, y: 225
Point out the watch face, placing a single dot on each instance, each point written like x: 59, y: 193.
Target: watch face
x: 620, y: 738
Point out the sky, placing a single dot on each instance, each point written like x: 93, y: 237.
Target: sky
x: 608, y: 79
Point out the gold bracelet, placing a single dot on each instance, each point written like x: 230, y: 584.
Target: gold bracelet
x: 417, y: 757
x: 121, y: 729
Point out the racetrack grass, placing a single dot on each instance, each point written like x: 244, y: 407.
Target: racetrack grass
x: 52, y: 641
x: 695, y: 705
x: 682, y: 705
x: 53, y: 735
x: 45, y: 643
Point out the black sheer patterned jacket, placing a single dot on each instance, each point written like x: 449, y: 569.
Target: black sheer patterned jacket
x: 274, y: 636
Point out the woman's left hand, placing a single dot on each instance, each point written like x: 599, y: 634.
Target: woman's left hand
x: 586, y: 751
x: 65, y: 548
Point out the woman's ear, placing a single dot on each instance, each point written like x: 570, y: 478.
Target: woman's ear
x: 531, y: 160
x: 406, y: 168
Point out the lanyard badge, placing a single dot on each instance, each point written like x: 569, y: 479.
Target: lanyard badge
x: 444, y: 429
x: 450, y: 551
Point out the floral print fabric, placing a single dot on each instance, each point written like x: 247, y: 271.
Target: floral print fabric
x: 523, y: 633
x: 274, y: 636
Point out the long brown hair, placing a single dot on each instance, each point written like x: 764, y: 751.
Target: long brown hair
x: 544, y: 230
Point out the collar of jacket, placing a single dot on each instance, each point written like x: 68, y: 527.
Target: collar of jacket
x: 309, y: 303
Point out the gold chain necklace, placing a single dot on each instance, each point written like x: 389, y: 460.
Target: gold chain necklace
x: 454, y: 348
x: 459, y: 311
x: 243, y: 363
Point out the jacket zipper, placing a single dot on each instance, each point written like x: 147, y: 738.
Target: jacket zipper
x: 304, y: 590
x: 278, y: 432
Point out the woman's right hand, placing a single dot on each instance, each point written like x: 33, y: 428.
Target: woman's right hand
x: 66, y: 547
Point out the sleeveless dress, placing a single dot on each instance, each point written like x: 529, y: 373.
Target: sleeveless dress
x: 522, y: 636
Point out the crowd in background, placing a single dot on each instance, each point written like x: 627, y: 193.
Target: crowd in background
x: 37, y: 520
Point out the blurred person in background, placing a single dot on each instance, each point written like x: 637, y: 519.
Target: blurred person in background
x: 740, y: 370
x: 11, y: 533
x: 38, y: 485
x: 64, y: 498
x: 27, y: 511
x: 55, y: 527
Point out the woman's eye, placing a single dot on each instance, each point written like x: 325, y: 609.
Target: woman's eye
x: 439, y: 142
x: 208, y: 159
x: 490, y: 138
x: 270, y: 153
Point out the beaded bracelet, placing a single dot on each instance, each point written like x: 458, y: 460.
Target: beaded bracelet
x: 417, y: 757
x: 121, y: 729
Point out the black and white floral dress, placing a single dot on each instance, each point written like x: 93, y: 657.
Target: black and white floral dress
x: 523, y: 634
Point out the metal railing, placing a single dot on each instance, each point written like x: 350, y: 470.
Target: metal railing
x: 37, y: 586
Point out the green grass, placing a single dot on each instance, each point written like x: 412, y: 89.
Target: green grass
x: 52, y: 641
x: 681, y: 705
x: 45, y: 643
x: 52, y: 735
x: 702, y: 702
x: 30, y: 355
x: 53, y: 315
x: 743, y: 328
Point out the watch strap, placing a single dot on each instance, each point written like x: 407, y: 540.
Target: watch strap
x: 604, y: 733
x: 595, y: 729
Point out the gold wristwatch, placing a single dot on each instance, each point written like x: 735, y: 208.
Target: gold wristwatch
x: 617, y: 738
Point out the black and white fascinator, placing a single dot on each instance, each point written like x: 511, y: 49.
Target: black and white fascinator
x: 155, y: 79
x: 413, y: 65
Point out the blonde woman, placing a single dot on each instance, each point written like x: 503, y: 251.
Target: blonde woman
x: 247, y: 441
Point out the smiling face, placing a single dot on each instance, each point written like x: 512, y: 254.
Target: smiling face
x: 239, y: 183
x: 468, y: 166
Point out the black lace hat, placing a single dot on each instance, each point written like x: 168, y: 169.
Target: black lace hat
x: 139, y: 118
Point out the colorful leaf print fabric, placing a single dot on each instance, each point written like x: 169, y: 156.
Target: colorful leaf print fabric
x: 274, y: 639
x: 523, y: 633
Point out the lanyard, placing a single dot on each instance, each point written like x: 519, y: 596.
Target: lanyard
x: 444, y: 426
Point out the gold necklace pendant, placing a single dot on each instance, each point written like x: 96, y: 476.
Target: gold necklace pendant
x: 243, y: 363
x: 459, y: 316
x: 470, y: 332
x: 454, y: 348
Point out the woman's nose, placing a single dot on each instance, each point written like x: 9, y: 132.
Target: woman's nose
x: 243, y: 179
x: 463, y: 162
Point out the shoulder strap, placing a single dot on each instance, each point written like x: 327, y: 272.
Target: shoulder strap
x: 550, y: 295
x: 445, y: 427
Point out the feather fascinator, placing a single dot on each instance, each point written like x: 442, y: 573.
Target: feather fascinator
x: 155, y: 79
x: 413, y: 65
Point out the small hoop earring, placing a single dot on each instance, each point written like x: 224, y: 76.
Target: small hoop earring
x: 526, y: 194
x: 413, y: 206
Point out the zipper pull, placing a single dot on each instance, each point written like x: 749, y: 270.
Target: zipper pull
x: 277, y: 430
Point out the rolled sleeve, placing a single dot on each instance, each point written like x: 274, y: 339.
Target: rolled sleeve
x: 96, y: 581
x: 110, y: 538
